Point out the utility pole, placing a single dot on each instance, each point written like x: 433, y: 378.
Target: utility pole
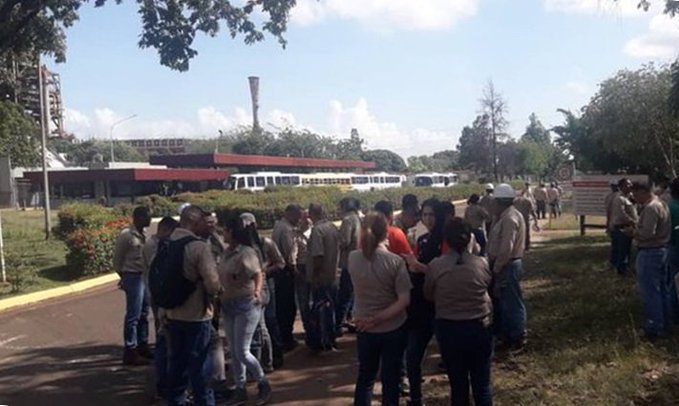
x: 44, y: 126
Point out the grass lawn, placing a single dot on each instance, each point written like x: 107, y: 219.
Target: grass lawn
x: 23, y: 236
x: 584, y: 346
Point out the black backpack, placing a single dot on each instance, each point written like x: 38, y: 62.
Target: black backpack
x: 167, y: 283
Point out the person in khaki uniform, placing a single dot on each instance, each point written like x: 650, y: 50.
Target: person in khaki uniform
x: 623, y: 218
x: 487, y: 204
x: 382, y: 293
x: 540, y: 195
x: 506, y: 246
x: 323, y: 253
x: 652, y: 234
x: 128, y: 262
x: 458, y: 284
x: 350, y: 234
x: 608, y: 206
x: 189, y: 325
x: 525, y: 206
x: 477, y: 216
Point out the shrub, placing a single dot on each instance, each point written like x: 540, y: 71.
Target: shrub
x: 159, y: 206
x: 78, y: 216
x: 90, y: 250
x: 20, y: 272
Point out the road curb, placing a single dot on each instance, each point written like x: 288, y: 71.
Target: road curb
x: 35, y: 297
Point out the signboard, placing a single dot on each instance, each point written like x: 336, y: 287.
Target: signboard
x: 589, y: 192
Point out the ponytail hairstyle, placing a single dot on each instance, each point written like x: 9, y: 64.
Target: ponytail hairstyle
x: 458, y: 234
x: 373, y: 232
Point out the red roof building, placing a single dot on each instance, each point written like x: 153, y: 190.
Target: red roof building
x: 125, y: 184
x: 254, y: 163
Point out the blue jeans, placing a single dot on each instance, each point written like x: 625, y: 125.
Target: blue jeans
x: 419, y: 337
x: 375, y: 349
x: 480, y: 235
x: 621, y: 246
x: 510, y: 312
x: 652, y: 281
x: 136, y: 325
x: 189, y: 345
x: 345, y: 298
x: 241, y: 317
x: 673, y: 270
x: 321, y: 333
x: 262, y: 346
x: 270, y: 317
x: 303, y: 295
x: 467, y: 351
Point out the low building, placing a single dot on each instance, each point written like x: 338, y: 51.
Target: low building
x: 123, y: 185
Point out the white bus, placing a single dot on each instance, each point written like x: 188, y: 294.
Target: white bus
x: 435, y: 179
x: 373, y: 181
x: 346, y: 181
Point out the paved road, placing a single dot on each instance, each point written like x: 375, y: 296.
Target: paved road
x: 67, y: 352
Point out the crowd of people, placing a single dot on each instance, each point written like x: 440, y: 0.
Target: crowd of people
x: 395, y: 280
x: 635, y: 213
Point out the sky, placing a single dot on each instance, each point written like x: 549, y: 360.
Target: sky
x: 408, y: 74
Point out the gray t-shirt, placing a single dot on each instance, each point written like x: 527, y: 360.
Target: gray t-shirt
x: 324, y: 242
x: 377, y: 284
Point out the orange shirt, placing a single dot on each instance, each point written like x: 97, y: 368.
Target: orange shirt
x: 398, y: 242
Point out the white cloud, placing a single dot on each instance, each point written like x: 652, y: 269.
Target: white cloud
x: 620, y: 8
x: 660, y: 42
x: 388, y: 14
x: 385, y: 135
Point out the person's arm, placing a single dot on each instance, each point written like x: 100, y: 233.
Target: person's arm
x: 288, y: 245
x: 345, y: 234
x: 506, y: 246
x: 122, y: 245
x: 273, y: 254
x: 259, y: 282
x: 414, y: 265
x: 207, y: 268
x: 396, y: 308
x: 429, y: 286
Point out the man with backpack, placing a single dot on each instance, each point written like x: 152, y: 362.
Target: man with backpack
x: 183, y: 281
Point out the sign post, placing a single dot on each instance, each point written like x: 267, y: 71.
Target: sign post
x: 589, y: 193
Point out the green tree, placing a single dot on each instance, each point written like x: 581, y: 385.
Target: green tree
x: 494, y: 106
x: 85, y: 152
x: 252, y: 142
x: 386, y: 160
x: 475, y: 146
x: 630, y: 119
x: 169, y: 26
x: 19, y: 135
x: 536, y: 132
x: 351, y: 148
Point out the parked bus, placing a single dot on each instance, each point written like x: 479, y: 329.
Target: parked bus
x: 346, y: 181
x: 435, y: 179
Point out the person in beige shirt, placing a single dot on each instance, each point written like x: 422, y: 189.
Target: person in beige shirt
x: 623, y: 219
x: 652, y: 235
x: 477, y: 217
x: 487, y: 203
x: 525, y: 206
x: 242, y: 277
x: 286, y: 310
x: 350, y: 234
x: 189, y: 328
x: 382, y: 293
x: 505, y: 252
x: 458, y: 284
x: 540, y: 196
x: 554, y: 199
x: 323, y: 253
x: 129, y: 264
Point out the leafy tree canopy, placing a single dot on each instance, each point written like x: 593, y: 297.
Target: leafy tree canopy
x: 19, y: 135
x: 169, y: 26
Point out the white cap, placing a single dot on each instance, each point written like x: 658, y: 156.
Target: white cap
x: 181, y: 207
x: 490, y: 186
x: 504, y: 191
x: 248, y: 218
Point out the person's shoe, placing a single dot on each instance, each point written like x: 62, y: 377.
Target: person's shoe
x: 404, y: 388
x: 132, y: 358
x: 264, y: 393
x: 145, y: 351
x: 239, y: 397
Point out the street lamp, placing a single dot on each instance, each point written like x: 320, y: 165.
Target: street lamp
x: 113, y: 158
